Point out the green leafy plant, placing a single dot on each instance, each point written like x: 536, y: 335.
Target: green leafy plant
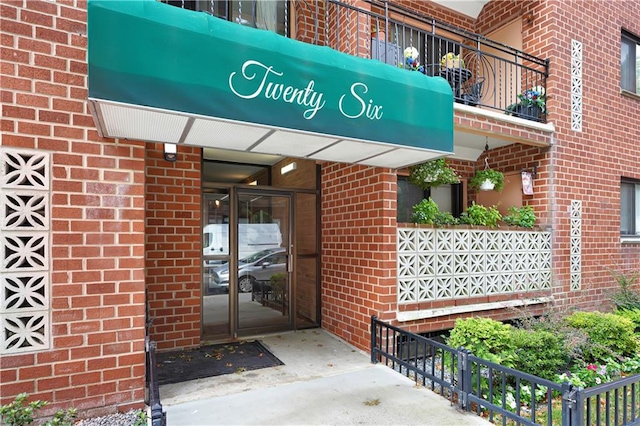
x: 626, y: 297
x: 427, y: 212
x: 631, y: 314
x: 141, y: 418
x: 485, y: 338
x: 477, y: 214
x: 17, y: 413
x: 520, y: 216
x: 20, y: 413
x: 541, y: 353
x: 432, y: 173
x: 609, y: 335
x: 536, y: 96
x: 492, y: 175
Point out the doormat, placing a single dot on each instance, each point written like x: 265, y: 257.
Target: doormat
x: 214, y: 360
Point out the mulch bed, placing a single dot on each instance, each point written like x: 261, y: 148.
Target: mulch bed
x: 214, y: 360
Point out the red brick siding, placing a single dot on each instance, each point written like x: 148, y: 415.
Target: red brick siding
x: 96, y: 361
x: 173, y: 246
x: 358, y: 249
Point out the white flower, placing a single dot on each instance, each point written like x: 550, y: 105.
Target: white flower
x: 411, y: 52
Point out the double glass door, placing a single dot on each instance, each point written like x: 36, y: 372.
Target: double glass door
x: 248, y: 262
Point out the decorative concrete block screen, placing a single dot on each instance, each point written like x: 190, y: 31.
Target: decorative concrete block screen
x: 576, y: 244
x: 24, y: 251
x: 436, y: 264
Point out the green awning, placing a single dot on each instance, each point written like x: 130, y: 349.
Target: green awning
x: 165, y: 74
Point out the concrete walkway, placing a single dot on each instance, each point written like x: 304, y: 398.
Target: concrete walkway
x: 324, y: 381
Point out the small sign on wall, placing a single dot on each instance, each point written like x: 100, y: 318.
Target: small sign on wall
x: 527, y: 183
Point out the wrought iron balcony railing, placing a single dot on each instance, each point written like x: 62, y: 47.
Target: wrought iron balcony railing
x: 482, y: 72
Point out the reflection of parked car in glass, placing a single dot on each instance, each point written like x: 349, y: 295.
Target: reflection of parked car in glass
x: 257, y: 268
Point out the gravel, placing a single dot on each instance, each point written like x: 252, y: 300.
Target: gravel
x: 131, y: 418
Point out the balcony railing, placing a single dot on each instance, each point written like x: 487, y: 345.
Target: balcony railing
x: 486, y: 74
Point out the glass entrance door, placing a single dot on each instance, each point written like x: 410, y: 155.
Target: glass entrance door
x: 215, y: 257
x: 264, y: 261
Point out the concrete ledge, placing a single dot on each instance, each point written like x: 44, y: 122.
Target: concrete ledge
x: 403, y: 316
x: 545, y: 127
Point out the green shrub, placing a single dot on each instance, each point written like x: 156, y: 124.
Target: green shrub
x: 16, y: 413
x: 540, y: 353
x: 427, y: 212
x: 631, y: 314
x: 480, y: 215
x: 609, y: 335
x: 485, y: 338
x: 625, y: 297
x: 520, y: 216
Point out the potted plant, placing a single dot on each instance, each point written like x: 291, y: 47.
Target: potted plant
x: 520, y: 216
x: 487, y: 180
x: 427, y: 212
x: 532, y: 104
x: 477, y: 214
x: 451, y: 60
x: 432, y: 173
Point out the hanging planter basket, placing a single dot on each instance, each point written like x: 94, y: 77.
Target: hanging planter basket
x: 487, y: 185
x: 487, y: 180
x: 432, y: 173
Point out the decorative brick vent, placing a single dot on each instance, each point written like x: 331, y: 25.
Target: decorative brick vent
x: 437, y: 264
x: 576, y: 244
x: 576, y: 85
x: 24, y: 251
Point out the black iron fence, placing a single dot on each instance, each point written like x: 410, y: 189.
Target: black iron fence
x: 158, y: 416
x: 481, y: 72
x: 501, y: 394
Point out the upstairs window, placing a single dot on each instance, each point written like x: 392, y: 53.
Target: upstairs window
x: 263, y: 14
x: 630, y: 63
x: 629, y: 208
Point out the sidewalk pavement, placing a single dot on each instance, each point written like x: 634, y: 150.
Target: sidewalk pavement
x: 324, y: 381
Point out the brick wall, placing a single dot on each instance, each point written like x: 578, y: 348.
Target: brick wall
x: 358, y: 216
x: 173, y: 246
x: 586, y: 165
x: 96, y: 360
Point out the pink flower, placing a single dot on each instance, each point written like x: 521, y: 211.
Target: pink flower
x: 592, y: 367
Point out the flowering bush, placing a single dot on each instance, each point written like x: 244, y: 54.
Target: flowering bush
x: 411, y: 56
x: 586, y: 376
x: 535, y: 96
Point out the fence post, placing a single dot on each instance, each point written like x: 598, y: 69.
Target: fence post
x: 463, y: 380
x: 158, y: 416
x: 374, y: 339
x: 570, y: 410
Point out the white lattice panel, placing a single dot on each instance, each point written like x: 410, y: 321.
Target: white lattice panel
x: 24, y: 251
x: 24, y: 170
x: 24, y: 292
x: 575, y: 259
x: 576, y: 85
x: 462, y: 263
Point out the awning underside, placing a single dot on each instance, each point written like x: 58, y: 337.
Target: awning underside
x: 175, y: 76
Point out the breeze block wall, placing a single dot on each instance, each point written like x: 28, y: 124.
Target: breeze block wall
x: 87, y: 351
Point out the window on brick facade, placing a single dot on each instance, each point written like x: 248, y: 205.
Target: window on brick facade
x: 630, y: 208
x: 447, y: 197
x: 630, y: 63
x: 263, y: 14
